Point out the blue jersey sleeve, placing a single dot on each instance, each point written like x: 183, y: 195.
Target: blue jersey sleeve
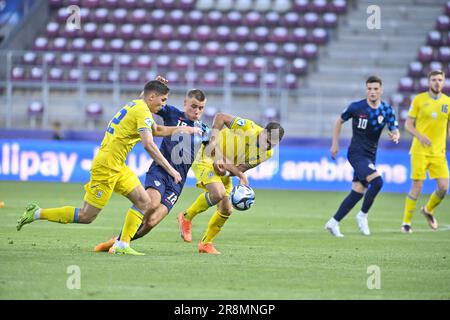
x: 168, y: 111
x: 391, y: 119
x: 348, y: 113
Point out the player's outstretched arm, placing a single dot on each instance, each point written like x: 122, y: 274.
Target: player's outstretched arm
x: 411, y: 128
x: 153, y: 151
x: 164, y: 131
x: 336, y: 134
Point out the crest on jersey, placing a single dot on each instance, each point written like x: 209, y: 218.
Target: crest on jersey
x: 372, y: 166
x: 148, y: 121
x: 380, y: 119
x: 240, y: 122
x: 99, y: 194
x: 157, y: 183
x: 444, y: 108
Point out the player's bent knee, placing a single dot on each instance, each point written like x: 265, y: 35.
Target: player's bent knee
x: 377, y: 183
x: 217, y: 196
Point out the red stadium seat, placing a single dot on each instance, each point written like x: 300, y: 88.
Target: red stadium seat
x: 36, y: 74
x: 164, y: 32
x: 49, y: 58
x: 289, y: 50
x: 415, y: 69
x: 444, y: 54
x: 108, y: 31
x: 176, y: 17
x: 338, y: 6
x: 193, y: 47
x: 116, y: 45
x: 100, y: 15
x: 201, y: 63
x: 309, y: 51
x: 221, y: 62
x: 203, y: 33
x: 290, y: 81
x: 111, y: 3
x: 194, y: 18
x: 52, y: 29
x: 157, y: 17
x: 145, y: 32
x: 279, y: 35
x: 239, y: 63
x: 232, y: 48
x: 434, y: 38
x: 291, y: 20
x: 318, y: 6
x: 136, y: 46
x: 259, y: 64
x: 319, y: 36
x: 299, y: 35
x: 94, y: 110
x: 270, y: 49
x: 311, y: 20
x: 155, y: 46
x: 425, y: 54
x: 241, y: 34
x: 270, y: 80
x: 443, y: 23
x: 253, y: 19
x: 40, y: 44
x: 300, y: 6
x: 329, y: 20
x: 30, y: 58
x: 59, y: 44
x: 182, y: 63
x: 17, y: 74
x: 260, y: 34
x: 233, y: 18
x: 68, y: 59
x: 98, y: 44
x: 126, y: 31
x: 278, y: 64
x: 212, y: 48
x: 56, y: 74
x: 74, y: 75
x: 125, y: 60
x: 406, y: 85
x: 251, y: 48
x: 272, y: 19
x: 79, y: 44
x: 223, y: 33
x: 106, y: 60
x: 250, y: 79
x: 299, y: 66
x: 186, y: 5
x: 214, y: 18
x: 163, y: 61
x: 174, y: 46
x: 210, y: 79
x: 36, y: 109
x: 87, y: 59
x: 90, y: 30
x: 119, y: 16
x: 62, y: 15
x: 184, y: 32
x: 133, y: 76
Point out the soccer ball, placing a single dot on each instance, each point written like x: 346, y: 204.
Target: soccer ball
x: 242, y: 197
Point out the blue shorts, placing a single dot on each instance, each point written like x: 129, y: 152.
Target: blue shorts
x: 363, y: 167
x: 157, y: 178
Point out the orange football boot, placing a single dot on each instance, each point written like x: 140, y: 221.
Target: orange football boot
x: 207, y: 248
x: 105, y: 246
x: 185, y: 227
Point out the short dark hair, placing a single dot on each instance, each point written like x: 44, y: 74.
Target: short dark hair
x: 197, y: 94
x: 275, y: 126
x: 374, y: 79
x: 435, y: 73
x: 156, y: 86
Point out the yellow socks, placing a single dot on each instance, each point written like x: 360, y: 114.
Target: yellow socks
x: 215, y: 224
x: 410, y: 207
x: 433, y: 202
x: 61, y: 215
x: 132, y: 222
x: 202, y: 203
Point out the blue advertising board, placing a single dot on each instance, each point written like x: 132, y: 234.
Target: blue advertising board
x: 292, y: 167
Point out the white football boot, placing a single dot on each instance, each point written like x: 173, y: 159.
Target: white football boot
x: 333, y: 227
x: 363, y: 224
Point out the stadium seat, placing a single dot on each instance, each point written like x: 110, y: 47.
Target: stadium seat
x: 79, y: 44
x: 299, y: 66
x: 203, y: 33
x: 299, y: 35
x: 184, y: 32
x: 74, y: 75
x: 250, y: 79
x: 107, y: 31
x: 329, y: 20
x: 116, y: 45
x: 270, y: 49
x: 168, y: 4
x: 155, y: 46
x: 262, y: 5
x: 150, y: 75
x: 130, y: 4
x: 90, y: 30
x: 36, y: 74
x: 260, y: 34
x: 201, y: 63
x: 251, y: 48
x: 49, y: 58
x: 210, y: 79
x: 112, y: 3
x: 186, y: 5
x: 40, y: 44
x: 143, y: 61
x: 434, y: 65
x: 278, y: 64
x: 269, y: 80
x: 90, y: 3
x: 125, y: 60
x: 318, y: 6
x: 223, y: 33
x: 300, y: 6
x: 133, y: 76
x: 224, y: 5
x: 311, y: 20
x: 119, y: 16
x: 99, y: 44
x: 212, y: 48
x: 319, y: 36
x: 444, y: 54
x: 55, y: 4
x: 233, y: 18
x: 30, y: 58
x: 145, y: 32
x: 68, y: 59
x: 281, y: 5
x: 105, y: 60
x: 182, y: 63
x: 174, y: 46
x: 157, y: 17
x: 279, y: 35
x: 94, y: 75
x: 100, y: 15
x: 52, y: 29
x: 434, y: 38
x: 243, y: 5
x: 241, y: 34
x: 271, y: 115
x: 258, y: 64
x: 406, y: 85
x: 194, y: 18
x: 17, y: 74
x: 126, y: 31
x: 309, y: 51
x: 290, y: 81
x: 425, y: 54
x: 221, y: 63
x: 443, y: 23
x: 62, y: 15
x: 176, y: 17
x: 289, y: 50
x: 193, y: 47
x: 232, y: 48
x: 290, y: 20
x: 164, y: 32
x: 338, y: 6
x: 136, y: 46
x: 423, y: 85
x: 253, y: 19
x: 415, y: 69
x: 163, y: 61
x: 239, y: 63
x: 272, y: 19
x: 35, y: 111
x: 231, y: 78
x: 93, y: 112
x: 86, y: 59
x: 214, y: 18
x: 55, y: 74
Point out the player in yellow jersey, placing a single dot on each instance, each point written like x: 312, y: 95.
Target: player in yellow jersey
x: 428, y: 121
x: 109, y: 172
x: 231, y: 151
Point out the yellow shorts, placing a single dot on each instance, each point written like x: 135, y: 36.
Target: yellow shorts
x: 104, y: 181
x: 435, y: 165
x: 205, y: 174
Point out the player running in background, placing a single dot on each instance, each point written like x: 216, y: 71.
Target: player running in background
x: 109, y: 172
x: 369, y: 116
x: 160, y: 187
x: 428, y: 122
x: 231, y: 151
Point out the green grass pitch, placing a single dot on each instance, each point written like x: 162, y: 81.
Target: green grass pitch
x: 278, y: 250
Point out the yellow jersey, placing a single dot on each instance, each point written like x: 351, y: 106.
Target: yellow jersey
x: 431, y: 119
x: 239, y: 144
x: 123, y: 133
